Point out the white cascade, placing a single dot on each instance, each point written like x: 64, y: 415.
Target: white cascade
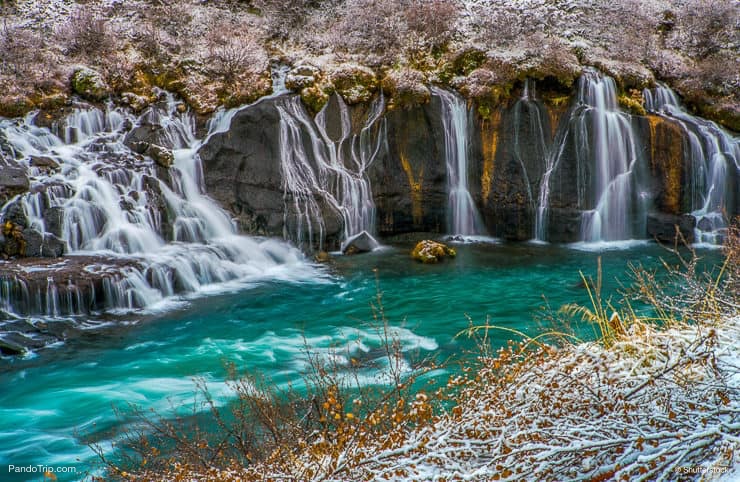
x: 619, y: 212
x: 713, y: 154
x: 167, y: 235
x: 463, y: 216
x: 327, y: 173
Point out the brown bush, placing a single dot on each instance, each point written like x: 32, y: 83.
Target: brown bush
x: 433, y: 19
x: 234, y: 52
x: 86, y: 33
x: 20, y: 50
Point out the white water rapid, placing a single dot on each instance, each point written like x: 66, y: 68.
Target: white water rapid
x: 713, y: 155
x: 154, y: 223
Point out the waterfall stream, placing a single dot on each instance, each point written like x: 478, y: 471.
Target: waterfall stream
x: 150, y: 228
x: 463, y: 216
x: 324, y: 174
x: 712, y: 154
x: 619, y: 211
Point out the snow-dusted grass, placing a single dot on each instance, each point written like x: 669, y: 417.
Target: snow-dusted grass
x: 658, y: 404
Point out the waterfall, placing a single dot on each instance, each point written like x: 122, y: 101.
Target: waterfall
x: 713, y: 154
x: 536, y: 136
x: 322, y: 173
x: 149, y: 231
x: 619, y: 207
x: 463, y: 217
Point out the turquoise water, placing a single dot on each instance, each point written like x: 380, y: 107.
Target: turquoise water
x: 49, y: 402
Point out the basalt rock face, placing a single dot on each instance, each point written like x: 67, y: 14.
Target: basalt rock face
x: 515, y: 154
x: 409, y: 183
x: 242, y: 169
x: 514, y: 144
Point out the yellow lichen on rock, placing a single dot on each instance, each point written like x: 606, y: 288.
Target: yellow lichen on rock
x: 428, y: 251
x: 415, y: 184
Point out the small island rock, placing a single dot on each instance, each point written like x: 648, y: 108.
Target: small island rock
x: 428, y: 251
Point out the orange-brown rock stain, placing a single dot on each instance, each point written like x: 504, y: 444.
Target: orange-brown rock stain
x: 489, y: 143
x: 416, y: 182
x: 666, y: 161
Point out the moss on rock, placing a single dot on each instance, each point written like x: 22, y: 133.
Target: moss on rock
x: 406, y: 88
x: 632, y: 102
x: 354, y: 83
x: 428, y: 252
x: 89, y: 84
x: 316, y: 96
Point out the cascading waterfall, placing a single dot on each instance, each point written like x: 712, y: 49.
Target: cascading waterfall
x: 619, y: 211
x: 463, y: 217
x: 331, y: 174
x: 712, y: 154
x: 527, y: 105
x: 151, y: 237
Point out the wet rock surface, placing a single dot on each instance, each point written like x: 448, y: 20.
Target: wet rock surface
x: 44, y: 301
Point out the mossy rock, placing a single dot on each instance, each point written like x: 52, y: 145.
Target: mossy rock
x: 406, y: 88
x: 89, y: 84
x: 468, y: 60
x: 316, y: 96
x: 725, y: 114
x: 15, y: 106
x: 355, y: 83
x: 632, y: 103
x: 245, y: 91
x: 428, y: 252
x: 302, y: 76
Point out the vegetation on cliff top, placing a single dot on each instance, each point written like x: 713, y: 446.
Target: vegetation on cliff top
x: 220, y: 53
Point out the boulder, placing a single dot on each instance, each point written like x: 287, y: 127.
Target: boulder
x: 322, y: 257
x: 666, y: 227
x: 359, y: 243
x: 428, y: 251
x: 354, y: 83
x: 54, y: 220
x: 406, y: 88
x: 13, y: 180
x: 89, y: 84
x: 161, y: 155
x: 44, y: 163
x: 38, y: 245
x: 301, y: 76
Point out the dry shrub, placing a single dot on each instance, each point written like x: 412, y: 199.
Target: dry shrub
x: 20, y: 50
x: 500, y: 25
x: 707, y: 26
x: 233, y: 51
x: 372, y: 26
x: 264, y: 425
x: 655, y: 402
x: 284, y: 19
x: 86, y: 33
x: 434, y: 20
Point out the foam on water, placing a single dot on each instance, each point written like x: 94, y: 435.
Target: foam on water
x: 171, y: 237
